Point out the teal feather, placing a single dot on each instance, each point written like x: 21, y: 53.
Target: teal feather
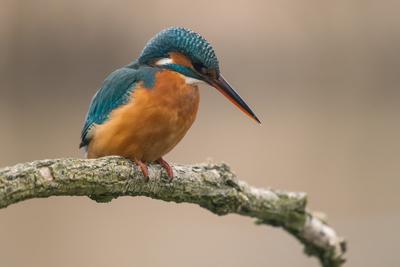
x: 116, y: 91
x: 177, y: 39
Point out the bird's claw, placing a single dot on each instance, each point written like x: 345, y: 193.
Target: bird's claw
x: 143, y: 168
x: 167, y: 167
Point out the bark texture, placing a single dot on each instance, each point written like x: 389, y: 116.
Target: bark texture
x: 211, y: 186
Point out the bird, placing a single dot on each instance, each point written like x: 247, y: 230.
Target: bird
x: 144, y: 109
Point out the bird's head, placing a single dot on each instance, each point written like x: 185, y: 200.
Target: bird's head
x: 188, y: 53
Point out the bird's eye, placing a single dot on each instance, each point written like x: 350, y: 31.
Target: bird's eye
x: 200, y: 68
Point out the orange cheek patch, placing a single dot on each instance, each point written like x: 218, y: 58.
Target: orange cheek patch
x: 180, y: 59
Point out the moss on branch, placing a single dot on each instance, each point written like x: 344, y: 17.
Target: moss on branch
x: 212, y: 186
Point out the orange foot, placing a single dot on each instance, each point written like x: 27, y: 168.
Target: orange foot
x: 167, y: 167
x: 144, y: 169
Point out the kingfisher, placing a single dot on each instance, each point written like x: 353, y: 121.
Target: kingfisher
x: 145, y: 108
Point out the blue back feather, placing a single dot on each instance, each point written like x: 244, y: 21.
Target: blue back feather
x: 115, y: 92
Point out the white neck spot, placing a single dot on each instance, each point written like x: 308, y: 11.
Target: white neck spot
x: 188, y: 80
x: 164, y: 61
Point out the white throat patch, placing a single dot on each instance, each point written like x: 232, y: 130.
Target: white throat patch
x: 190, y: 80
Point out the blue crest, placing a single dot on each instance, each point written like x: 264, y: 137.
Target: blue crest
x: 185, y: 41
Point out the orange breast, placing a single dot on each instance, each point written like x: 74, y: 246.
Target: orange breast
x: 151, y: 124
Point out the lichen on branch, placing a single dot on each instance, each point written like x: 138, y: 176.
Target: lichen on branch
x: 212, y: 186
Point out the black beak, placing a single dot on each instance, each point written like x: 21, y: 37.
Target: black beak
x: 223, y: 86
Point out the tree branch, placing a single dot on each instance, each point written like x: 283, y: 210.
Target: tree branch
x: 212, y: 186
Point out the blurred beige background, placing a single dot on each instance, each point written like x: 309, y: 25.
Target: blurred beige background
x: 323, y: 76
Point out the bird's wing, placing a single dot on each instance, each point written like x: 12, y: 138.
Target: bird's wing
x: 115, y: 91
